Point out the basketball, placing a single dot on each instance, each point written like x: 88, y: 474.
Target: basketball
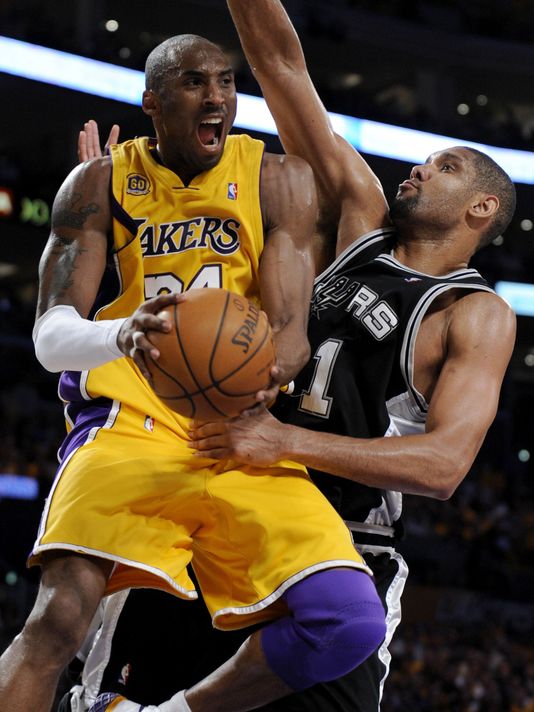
x: 216, y: 357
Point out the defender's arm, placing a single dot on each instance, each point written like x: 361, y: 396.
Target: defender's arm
x: 343, y: 178
x: 480, y: 341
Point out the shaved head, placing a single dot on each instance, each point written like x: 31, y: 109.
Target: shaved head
x: 167, y: 58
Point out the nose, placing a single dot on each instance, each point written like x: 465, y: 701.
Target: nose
x: 420, y: 173
x: 416, y: 172
x: 214, y: 95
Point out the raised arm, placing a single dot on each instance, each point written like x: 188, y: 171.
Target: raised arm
x: 289, y: 210
x: 347, y: 187
x: 479, y: 345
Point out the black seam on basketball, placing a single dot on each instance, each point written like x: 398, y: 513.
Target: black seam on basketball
x: 181, y: 347
x: 241, y: 365
x: 201, y: 390
x: 217, y: 338
x: 186, y: 395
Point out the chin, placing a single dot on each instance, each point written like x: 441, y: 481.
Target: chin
x: 210, y: 162
x: 402, y: 208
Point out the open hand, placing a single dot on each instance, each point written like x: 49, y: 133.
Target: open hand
x: 89, y: 141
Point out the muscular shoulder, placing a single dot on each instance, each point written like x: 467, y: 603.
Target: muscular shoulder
x: 280, y: 166
x: 481, y: 316
x: 91, y: 175
x: 84, y: 195
x: 286, y: 185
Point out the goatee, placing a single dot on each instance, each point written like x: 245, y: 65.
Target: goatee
x: 403, y: 207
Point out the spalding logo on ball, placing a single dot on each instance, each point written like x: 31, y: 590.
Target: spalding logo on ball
x: 216, y: 357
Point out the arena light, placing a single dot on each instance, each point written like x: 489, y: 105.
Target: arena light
x: 519, y: 295
x: 18, y: 487
x: 122, y: 84
x: 71, y: 71
x: 7, y: 202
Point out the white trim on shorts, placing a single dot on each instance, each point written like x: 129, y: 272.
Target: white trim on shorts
x: 299, y: 576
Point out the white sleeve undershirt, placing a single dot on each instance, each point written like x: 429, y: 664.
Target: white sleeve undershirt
x: 64, y: 341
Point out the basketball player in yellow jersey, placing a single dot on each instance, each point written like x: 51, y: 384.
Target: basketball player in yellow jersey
x: 131, y: 505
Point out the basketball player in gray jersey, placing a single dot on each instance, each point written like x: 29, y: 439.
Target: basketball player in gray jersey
x: 406, y: 339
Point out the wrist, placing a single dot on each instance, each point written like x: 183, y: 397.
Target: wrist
x: 290, y: 443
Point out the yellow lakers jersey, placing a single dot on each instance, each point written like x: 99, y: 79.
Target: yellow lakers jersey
x: 169, y: 237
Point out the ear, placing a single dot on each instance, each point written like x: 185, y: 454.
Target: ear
x: 484, y: 206
x: 151, y: 103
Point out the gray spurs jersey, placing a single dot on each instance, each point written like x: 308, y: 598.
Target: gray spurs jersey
x: 365, y: 315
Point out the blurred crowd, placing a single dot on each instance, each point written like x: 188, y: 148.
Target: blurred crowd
x: 481, y: 539
x: 503, y: 19
x: 473, y: 669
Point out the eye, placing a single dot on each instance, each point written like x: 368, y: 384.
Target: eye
x: 447, y: 167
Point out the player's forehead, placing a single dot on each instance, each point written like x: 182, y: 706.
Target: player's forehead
x: 457, y: 154
x: 201, y: 57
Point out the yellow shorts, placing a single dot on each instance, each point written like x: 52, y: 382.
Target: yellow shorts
x: 138, y: 497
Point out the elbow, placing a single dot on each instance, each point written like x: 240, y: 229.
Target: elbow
x: 302, y: 355
x: 448, y: 466
x: 449, y: 479
x: 45, y: 351
x: 443, y: 493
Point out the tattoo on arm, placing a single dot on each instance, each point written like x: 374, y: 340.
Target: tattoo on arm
x: 72, y: 214
x: 66, y: 252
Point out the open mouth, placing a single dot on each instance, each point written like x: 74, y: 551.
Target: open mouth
x: 210, y: 131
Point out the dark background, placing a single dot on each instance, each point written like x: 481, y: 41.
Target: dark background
x: 465, y: 643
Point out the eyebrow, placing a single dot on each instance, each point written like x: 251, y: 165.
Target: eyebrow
x: 447, y: 156
x: 200, y: 73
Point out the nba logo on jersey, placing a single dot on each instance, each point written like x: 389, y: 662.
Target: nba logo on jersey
x: 149, y: 424
x: 125, y: 674
x: 232, y: 191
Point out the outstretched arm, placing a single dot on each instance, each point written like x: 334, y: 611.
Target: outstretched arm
x: 479, y: 345
x: 343, y: 178
x: 289, y: 210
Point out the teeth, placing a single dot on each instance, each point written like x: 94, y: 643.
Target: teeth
x: 212, y: 121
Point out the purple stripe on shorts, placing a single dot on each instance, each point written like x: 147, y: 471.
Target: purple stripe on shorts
x: 94, y: 415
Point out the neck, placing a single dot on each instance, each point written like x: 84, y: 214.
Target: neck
x: 431, y: 257
x: 186, y: 176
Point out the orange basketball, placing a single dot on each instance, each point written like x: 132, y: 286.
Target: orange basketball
x: 216, y: 357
